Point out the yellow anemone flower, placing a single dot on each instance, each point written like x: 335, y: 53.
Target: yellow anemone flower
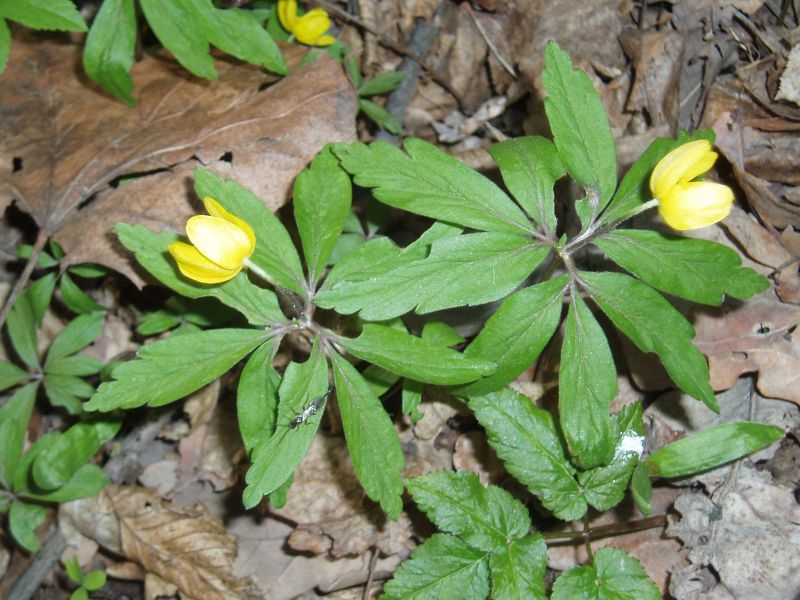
x: 222, y: 244
x: 685, y: 204
x: 310, y: 28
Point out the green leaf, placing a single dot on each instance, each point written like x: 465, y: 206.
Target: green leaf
x: 642, y: 489
x: 179, y: 26
x: 80, y: 594
x: 258, y: 305
x: 40, y: 294
x: 23, y: 520
x: 5, y: 44
x: 651, y: 323
x: 60, y: 389
x: 462, y: 270
x: 443, y: 568
x: 530, y: 167
x: 88, y: 271
x: 711, y: 448
x: 486, y: 518
x: 79, y: 333
x: 380, y: 380
x: 587, y: 386
x: 525, y: 438
x: 380, y: 255
x: 371, y: 439
x: 51, y: 15
x: 170, y: 369
x: 20, y: 404
x: 698, y: 270
x: 73, y: 570
x: 516, y: 333
x: 22, y: 331
x: 94, y: 580
x: 604, y: 487
x: 322, y: 196
x: 426, y: 181
x: 275, y: 252
x: 257, y: 396
x: 239, y: 33
x: 109, y: 49
x: 580, y: 126
x: 59, y: 462
x: 382, y: 84
x: 353, y: 69
x: 11, y: 375
x: 276, y: 457
x: 381, y: 117
x: 518, y: 570
x: 24, y: 479
x: 413, y: 357
x: 76, y: 299
x: 614, y: 575
x: 438, y: 332
x: 411, y: 398
x: 157, y: 322
x: 87, y: 481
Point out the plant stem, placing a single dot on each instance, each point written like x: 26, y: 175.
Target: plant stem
x: 595, y: 231
x: 19, y: 286
x: 566, y: 537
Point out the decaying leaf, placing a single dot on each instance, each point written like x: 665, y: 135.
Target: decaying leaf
x: 327, y: 503
x: 183, y: 546
x: 747, y: 532
x: 66, y: 152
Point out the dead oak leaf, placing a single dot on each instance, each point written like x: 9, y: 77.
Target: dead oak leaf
x: 758, y: 336
x: 184, y: 546
x: 64, y: 147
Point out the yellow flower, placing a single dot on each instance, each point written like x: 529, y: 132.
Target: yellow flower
x: 310, y: 28
x: 222, y: 244
x: 683, y: 203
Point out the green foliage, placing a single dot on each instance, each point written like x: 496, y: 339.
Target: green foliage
x: 187, y: 28
x: 486, y: 544
x: 88, y: 582
x: 377, y: 86
x: 612, y: 574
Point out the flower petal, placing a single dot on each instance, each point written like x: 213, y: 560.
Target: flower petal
x: 287, y: 14
x: 311, y: 27
x: 680, y: 165
x: 195, y: 266
x: 220, y: 241
x: 215, y: 209
x: 695, y: 204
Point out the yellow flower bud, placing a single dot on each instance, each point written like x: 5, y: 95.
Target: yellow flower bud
x: 685, y: 204
x: 222, y: 242
x: 310, y: 28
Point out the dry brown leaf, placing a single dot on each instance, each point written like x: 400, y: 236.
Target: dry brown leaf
x: 757, y: 336
x: 68, y: 142
x: 184, y: 546
x: 326, y: 501
x: 473, y: 453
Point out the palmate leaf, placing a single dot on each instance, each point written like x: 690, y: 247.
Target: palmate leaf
x: 276, y: 457
x: 530, y: 166
x: 651, y: 323
x: 516, y: 333
x: 414, y: 357
x: 463, y: 270
x: 580, y: 126
x: 698, y: 270
x: 258, y: 305
x: 79, y: 333
x: 614, y: 574
x: 518, y: 569
x: 371, y: 439
x: 322, y: 196
x: 587, y: 386
x: 525, y: 438
x: 486, y: 518
x: 170, y: 369
x: 426, y: 181
x: 443, y: 568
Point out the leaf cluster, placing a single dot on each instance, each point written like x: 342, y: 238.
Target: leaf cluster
x: 87, y: 582
x: 376, y: 86
x: 187, y: 28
